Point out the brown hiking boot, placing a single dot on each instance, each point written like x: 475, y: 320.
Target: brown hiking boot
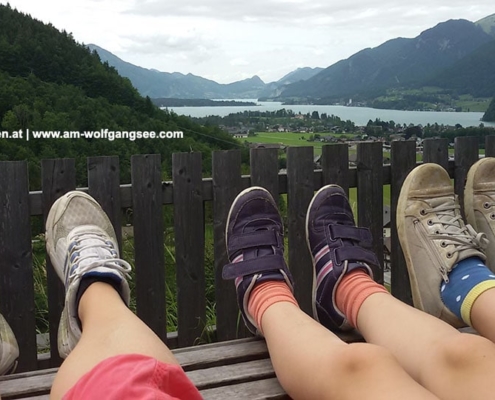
x: 479, y: 203
x: 433, y: 236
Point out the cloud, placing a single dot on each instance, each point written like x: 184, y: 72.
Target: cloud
x: 283, y: 12
x: 238, y: 62
x: 187, y: 47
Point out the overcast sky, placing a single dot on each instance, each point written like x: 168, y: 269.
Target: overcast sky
x: 229, y: 40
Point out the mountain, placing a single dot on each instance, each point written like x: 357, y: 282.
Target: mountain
x: 473, y: 74
x: 300, y: 74
x: 396, y: 63
x: 156, y: 84
x: 488, y: 24
x: 274, y: 89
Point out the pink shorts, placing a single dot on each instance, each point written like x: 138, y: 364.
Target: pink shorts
x: 134, y: 376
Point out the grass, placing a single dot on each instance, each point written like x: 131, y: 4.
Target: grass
x: 41, y: 291
x: 289, y: 139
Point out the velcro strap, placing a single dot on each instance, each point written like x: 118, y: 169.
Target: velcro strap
x: 350, y: 232
x: 355, y: 253
x: 253, y: 239
x: 259, y: 265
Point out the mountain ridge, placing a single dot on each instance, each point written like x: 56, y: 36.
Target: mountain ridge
x: 158, y: 84
x: 397, y: 62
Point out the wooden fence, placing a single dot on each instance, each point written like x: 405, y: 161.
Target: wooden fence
x: 188, y: 192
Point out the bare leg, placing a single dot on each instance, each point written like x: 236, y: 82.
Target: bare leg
x: 312, y: 363
x: 483, y: 314
x: 107, y: 331
x: 432, y: 352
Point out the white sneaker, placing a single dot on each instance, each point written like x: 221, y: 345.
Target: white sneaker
x: 81, y: 243
x: 9, y: 350
x: 479, y: 203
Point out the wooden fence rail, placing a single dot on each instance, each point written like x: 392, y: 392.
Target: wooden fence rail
x: 188, y: 192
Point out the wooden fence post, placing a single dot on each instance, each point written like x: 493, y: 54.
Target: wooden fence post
x: 466, y: 154
x: 300, y: 176
x: 490, y: 146
x: 58, y: 178
x: 436, y: 151
x: 189, y: 246
x: 16, y: 263
x: 104, y: 187
x: 227, y: 184
x: 370, y: 196
x: 149, y: 242
x: 264, y: 170
x: 335, y: 165
x: 403, y: 162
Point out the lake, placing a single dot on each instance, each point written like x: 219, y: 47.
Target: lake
x: 359, y: 115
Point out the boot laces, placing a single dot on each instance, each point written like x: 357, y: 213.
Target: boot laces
x: 450, y: 228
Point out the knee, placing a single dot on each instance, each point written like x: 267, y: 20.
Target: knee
x: 464, y: 350
x: 357, y: 360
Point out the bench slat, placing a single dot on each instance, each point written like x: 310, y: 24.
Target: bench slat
x: 260, y: 390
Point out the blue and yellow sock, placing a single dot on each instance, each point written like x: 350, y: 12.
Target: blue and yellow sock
x: 467, y: 281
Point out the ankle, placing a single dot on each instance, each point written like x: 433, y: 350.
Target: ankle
x: 352, y: 291
x: 266, y: 294
x: 468, y: 280
x: 94, y: 295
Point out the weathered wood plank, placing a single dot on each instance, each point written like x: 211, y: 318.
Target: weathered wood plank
x: 259, y: 390
x: 370, y: 196
x: 35, y: 197
x: 264, y: 170
x: 16, y: 263
x: 58, y: 178
x: 189, y: 246
x: 226, y: 375
x: 148, y: 242
x: 436, y: 151
x: 490, y: 146
x: 227, y: 184
x: 466, y: 153
x: 300, y: 191
x: 335, y: 165
x: 403, y: 160
x: 104, y: 187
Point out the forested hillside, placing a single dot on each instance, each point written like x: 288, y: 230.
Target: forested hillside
x: 50, y: 82
x: 474, y: 74
x: 490, y: 113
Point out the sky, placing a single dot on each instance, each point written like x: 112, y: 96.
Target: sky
x: 230, y: 40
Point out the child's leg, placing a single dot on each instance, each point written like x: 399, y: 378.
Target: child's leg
x: 479, y: 206
x: 444, y: 259
x: 110, y: 352
x: 310, y: 361
x: 450, y: 364
x: 109, y: 329
x: 447, y: 363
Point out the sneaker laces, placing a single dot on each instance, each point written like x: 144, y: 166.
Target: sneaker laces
x: 91, y: 250
x: 453, y: 231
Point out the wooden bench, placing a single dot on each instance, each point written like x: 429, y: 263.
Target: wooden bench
x: 237, y: 369
x: 222, y: 370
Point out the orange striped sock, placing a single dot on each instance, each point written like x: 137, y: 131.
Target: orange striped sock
x: 352, y: 291
x: 265, y: 295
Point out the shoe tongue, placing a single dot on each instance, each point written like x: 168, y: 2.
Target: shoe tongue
x: 92, y: 250
x: 448, y: 215
x: 257, y: 225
